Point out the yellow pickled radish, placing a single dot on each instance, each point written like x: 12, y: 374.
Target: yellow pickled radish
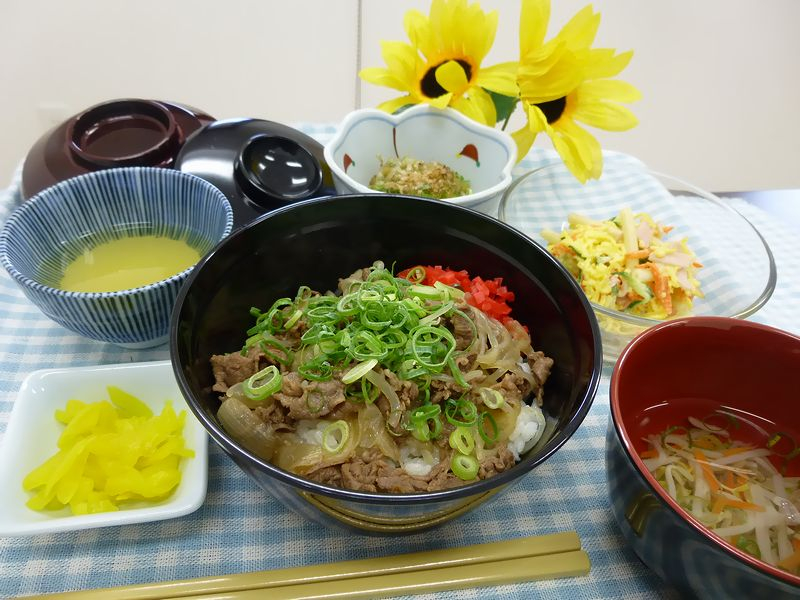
x: 110, y: 453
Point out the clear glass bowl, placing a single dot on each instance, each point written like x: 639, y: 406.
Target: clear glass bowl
x: 738, y: 274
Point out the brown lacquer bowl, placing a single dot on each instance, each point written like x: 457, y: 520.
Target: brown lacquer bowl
x: 118, y: 133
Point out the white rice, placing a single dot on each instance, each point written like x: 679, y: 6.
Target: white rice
x: 527, y: 431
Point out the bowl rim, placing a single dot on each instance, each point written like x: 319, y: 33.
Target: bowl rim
x: 621, y: 434
x: 18, y: 214
x: 498, y: 481
x: 754, y: 306
x: 396, y: 119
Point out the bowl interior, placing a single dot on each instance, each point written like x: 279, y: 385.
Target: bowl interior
x: 316, y: 242
x: 722, y: 371
x: 693, y: 360
x: 49, y: 231
x: 738, y: 273
x: 477, y: 153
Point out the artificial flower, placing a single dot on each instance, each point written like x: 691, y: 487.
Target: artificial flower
x: 442, y: 66
x: 565, y: 82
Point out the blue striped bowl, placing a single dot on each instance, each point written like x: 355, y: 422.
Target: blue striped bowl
x: 48, y: 231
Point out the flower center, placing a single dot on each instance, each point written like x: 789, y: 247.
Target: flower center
x: 553, y: 109
x: 431, y: 88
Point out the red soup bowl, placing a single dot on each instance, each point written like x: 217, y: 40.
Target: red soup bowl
x: 738, y: 381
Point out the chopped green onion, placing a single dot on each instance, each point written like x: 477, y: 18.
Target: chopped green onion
x: 292, y: 321
x: 421, y: 428
x: 452, y: 292
x: 416, y: 274
x: 462, y: 440
x: 464, y: 467
x: 365, y: 345
x: 461, y: 408
x: 335, y: 436
x: 442, y: 310
x: 492, y: 398
x: 268, y: 341
x: 316, y: 370
x: 425, y: 412
x: 426, y: 292
x: 359, y: 371
x: 263, y: 384
x: 487, y: 437
x: 436, y: 343
x: 456, y: 372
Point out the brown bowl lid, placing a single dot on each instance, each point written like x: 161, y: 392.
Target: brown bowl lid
x: 117, y: 133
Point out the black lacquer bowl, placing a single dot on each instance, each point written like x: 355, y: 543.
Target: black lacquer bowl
x: 259, y: 165
x: 317, y: 241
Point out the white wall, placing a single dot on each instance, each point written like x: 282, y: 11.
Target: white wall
x: 283, y: 61
x: 719, y: 77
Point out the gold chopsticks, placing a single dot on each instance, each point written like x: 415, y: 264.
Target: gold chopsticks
x: 495, y: 563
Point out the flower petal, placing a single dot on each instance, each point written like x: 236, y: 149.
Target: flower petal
x: 605, y: 115
x: 392, y: 105
x: 580, y: 30
x: 418, y: 29
x: 441, y: 101
x: 451, y: 76
x: 524, y: 139
x: 500, y: 78
x: 609, y: 89
x: 485, y: 104
x: 606, y: 63
x: 559, y: 80
x: 533, y: 20
x: 579, y: 150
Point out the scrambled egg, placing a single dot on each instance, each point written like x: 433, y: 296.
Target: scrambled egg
x: 625, y: 263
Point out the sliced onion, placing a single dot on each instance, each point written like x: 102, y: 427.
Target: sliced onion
x: 396, y: 408
x: 373, y: 432
x: 247, y: 429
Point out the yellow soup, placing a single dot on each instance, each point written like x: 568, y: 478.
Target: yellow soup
x: 128, y: 262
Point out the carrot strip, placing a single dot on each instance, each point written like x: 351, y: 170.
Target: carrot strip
x: 661, y: 287
x: 649, y: 454
x: 722, y: 501
x: 707, y: 472
x: 729, y: 483
x: 638, y: 254
x: 737, y: 450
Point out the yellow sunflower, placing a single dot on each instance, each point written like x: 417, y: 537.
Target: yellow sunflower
x: 442, y: 64
x: 565, y: 82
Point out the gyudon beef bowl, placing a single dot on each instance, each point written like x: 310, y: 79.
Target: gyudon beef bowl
x: 384, y: 362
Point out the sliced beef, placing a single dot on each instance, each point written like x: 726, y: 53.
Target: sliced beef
x: 407, y: 391
x: 273, y: 413
x: 327, y: 476
x: 309, y: 399
x: 230, y: 369
x: 362, y: 472
x: 541, y: 366
x: 513, y: 387
x: 442, y: 390
x: 501, y: 460
x: 463, y: 331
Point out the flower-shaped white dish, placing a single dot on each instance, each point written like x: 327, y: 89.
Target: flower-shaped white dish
x: 32, y: 433
x: 482, y: 155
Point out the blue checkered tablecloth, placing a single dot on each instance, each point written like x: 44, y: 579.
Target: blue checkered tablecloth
x: 239, y: 528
